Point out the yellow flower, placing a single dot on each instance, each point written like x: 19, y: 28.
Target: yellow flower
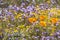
x: 18, y: 15
x: 10, y: 28
x: 35, y: 14
x: 15, y: 30
x: 53, y: 10
x: 42, y: 17
x: 53, y: 29
x: 48, y: 1
x: 15, y: 12
x: 6, y: 30
x: 37, y: 7
x: 21, y: 26
x: 42, y: 23
x: 8, y: 21
x: 43, y: 12
x: 58, y: 11
x: 54, y: 20
x: 31, y: 20
x: 0, y: 33
x: 27, y: 26
x: 51, y: 34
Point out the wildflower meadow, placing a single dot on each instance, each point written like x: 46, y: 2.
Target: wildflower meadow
x: 29, y: 19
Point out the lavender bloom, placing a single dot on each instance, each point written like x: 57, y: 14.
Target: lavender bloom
x: 35, y: 37
x: 0, y: 11
x: 23, y: 39
x: 23, y: 4
x: 34, y: 1
x: 57, y: 33
x: 16, y: 8
x: 53, y: 1
x: 44, y: 32
x: 57, y: 23
x: 12, y: 17
x: 23, y: 10
x: 10, y: 6
x: 43, y: 37
x: 30, y: 8
x: 58, y: 36
x: 9, y: 35
x: 47, y: 38
x: 5, y: 10
x: 42, y: 6
x: 16, y: 38
x: 13, y: 7
x: 37, y: 30
x: 9, y: 39
x: 8, y: 13
x: 52, y: 38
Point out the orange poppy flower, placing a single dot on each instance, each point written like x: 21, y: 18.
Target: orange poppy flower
x: 42, y: 17
x: 42, y: 23
x: 54, y: 20
x: 31, y: 20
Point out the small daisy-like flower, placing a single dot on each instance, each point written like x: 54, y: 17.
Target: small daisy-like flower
x: 54, y: 20
x: 42, y: 23
x: 31, y: 20
x: 42, y: 17
x: 15, y: 30
x: 18, y: 15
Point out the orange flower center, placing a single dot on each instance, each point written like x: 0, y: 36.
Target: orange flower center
x: 42, y: 23
x: 31, y: 20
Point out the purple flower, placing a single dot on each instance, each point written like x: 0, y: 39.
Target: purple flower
x: 57, y: 33
x: 12, y: 17
x: 58, y: 36
x: 10, y: 6
x: 22, y: 4
x: 23, y: 10
x: 13, y: 7
x: 24, y: 39
x: 52, y: 37
x: 43, y: 37
x: 30, y: 8
x: 8, y: 13
x: 37, y: 30
x: 0, y: 11
x: 57, y: 23
x: 47, y: 38
x: 53, y: 1
x: 16, y: 8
